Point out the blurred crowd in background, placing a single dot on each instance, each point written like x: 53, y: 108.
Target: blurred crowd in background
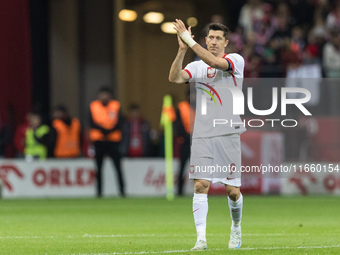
x: 276, y: 36
x: 64, y: 137
x: 278, y: 39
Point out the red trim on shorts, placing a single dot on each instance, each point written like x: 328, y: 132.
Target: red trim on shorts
x: 188, y: 72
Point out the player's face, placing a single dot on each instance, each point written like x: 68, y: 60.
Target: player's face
x: 216, y: 42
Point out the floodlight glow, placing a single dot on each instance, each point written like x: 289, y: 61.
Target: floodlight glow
x: 153, y: 17
x: 127, y: 15
x: 168, y: 27
x: 192, y: 21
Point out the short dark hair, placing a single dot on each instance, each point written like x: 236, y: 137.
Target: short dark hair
x: 219, y: 27
x: 35, y: 113
x: 105, y: 89
x: 61, y: 108
x: 134, y: 106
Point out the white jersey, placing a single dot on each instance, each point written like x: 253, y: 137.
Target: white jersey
x: 214, y: 101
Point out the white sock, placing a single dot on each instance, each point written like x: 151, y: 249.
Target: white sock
x: 200, y: 211
x: 236, y: 212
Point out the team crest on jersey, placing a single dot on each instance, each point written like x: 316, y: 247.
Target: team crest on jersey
x: 211, y: 72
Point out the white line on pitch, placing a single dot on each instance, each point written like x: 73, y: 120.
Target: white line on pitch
x: 298, y: 247
x: 174, y: 235
x: 178, y: 251
x: 146, y: 235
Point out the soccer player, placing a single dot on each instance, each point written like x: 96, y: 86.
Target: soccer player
x: 213, y: 145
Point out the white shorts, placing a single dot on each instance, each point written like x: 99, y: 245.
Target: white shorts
x: 216, y: 159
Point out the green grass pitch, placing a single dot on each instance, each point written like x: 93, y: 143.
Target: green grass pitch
x: 270, y: 225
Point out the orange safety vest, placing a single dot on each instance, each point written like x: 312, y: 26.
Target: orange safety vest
x: 68, y: 139
x: 187, y: 116
x: 106, y: 117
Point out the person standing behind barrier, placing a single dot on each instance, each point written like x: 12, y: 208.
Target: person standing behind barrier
x: 185, y: 116
x: 68, y: 134
x: 39, y: 138
x: 136, y: 133
x: 20, y: 137
x: 106, y: 134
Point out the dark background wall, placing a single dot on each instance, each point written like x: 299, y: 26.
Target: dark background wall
x: 62, y: 51
x: 15, y: 62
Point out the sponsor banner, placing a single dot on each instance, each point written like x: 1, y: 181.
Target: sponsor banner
x: 146, y: 177
x: 143, y: 177
x: 307, y: 179
x: 76, y: 178
x: 52, y: 178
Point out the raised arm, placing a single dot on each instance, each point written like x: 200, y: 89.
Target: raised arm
x: 205, y: 55
x: 210, y: 59
x: 177, y: 75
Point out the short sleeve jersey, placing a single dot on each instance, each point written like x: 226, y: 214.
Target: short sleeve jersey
x: 214, y: 99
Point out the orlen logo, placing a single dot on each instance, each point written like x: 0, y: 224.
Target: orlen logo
x: 5, y: 169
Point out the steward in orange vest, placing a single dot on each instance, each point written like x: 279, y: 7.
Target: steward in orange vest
x: 183, y: 126
x: 68, y: 134
x: 106, y: 134
x: 104, y: 120
x: 187, y: 115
